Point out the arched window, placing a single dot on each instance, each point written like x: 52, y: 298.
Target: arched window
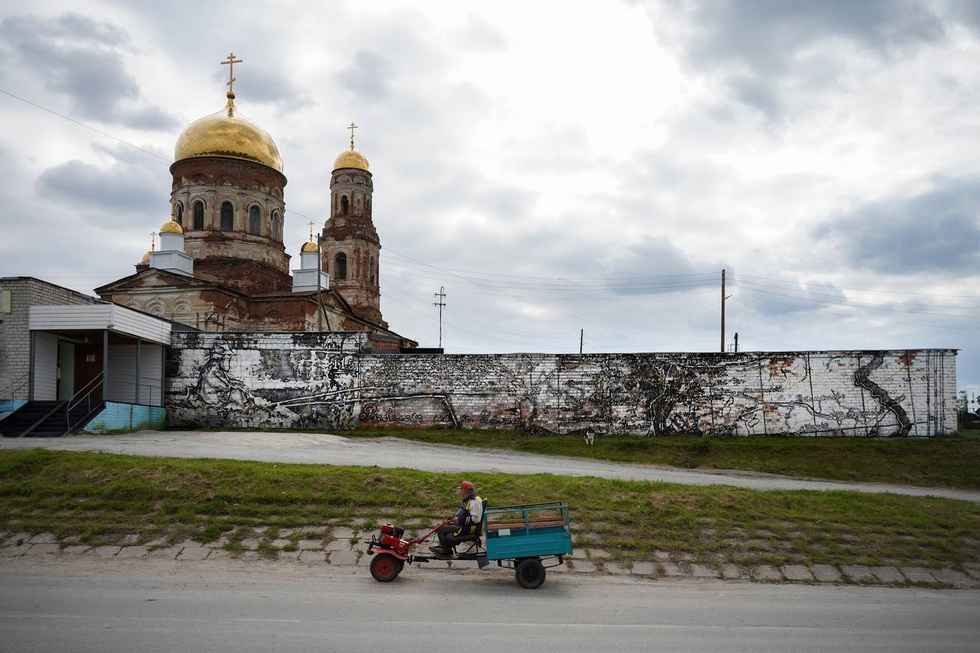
x: 179, y: 214
x: 198, y: 216
x: 340, y: 266
x: 254, y: 221
x: 344, y: 204
x: 371, y: 271
x: 227, y: 216
x: 276, y: 233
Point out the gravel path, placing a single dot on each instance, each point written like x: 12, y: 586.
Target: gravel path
x: 318, y: 448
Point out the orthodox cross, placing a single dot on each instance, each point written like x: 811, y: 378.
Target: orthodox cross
x: 311, y: 230
x: 231, y: 67
x: 153, y: 241
x: 352, y: 127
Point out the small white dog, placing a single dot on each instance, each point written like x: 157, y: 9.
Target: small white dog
x: 590, y: 436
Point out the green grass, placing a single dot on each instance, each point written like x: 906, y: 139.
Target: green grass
x: 101, y: 498
x: 944, y: 461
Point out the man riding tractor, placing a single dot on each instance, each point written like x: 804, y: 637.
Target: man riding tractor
x: 466, y: 522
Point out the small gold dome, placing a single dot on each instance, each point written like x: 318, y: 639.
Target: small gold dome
x: 228, y: 134
x: 171, y: 227
x: 351, y: 159
x: 308, y: 246
x: 146, y: 258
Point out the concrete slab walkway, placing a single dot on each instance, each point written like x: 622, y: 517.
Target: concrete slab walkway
x: 349, y: 551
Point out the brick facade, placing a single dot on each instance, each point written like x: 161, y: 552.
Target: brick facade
x: 15, y: 340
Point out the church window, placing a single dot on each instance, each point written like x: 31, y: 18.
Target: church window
x: 254, y: 221
x: 275, y: 225
x: 179, y: 214
x: 198, y: 216
x: 371, y: 271
x: 340, y: 266
x: 344, y: 204
x: 227, y: 216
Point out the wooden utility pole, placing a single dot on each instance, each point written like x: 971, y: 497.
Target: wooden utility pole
x: 581, y: 339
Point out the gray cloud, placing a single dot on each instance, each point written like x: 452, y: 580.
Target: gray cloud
x: 132, y: 189
x: 765, y: 34
x: 78, y: 57
x: 261, y: 85
x: 368, y: 76
x: 937, y: 231
x: 764, y: 48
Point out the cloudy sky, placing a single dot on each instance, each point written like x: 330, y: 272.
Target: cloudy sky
x: 556, y: 167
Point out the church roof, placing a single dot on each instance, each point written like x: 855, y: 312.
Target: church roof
x: 228, y: 134
x: 351, y: 159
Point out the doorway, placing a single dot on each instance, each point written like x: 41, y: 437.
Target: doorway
x: 66, y: 370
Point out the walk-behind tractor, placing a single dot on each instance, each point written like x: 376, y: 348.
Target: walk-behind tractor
x: 527, y: 538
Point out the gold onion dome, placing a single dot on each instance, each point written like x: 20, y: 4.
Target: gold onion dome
x: 146, y: 258
x: 308, y: 246
x: 351, y: 159
x: 230, y: 135
x: 171, y: 227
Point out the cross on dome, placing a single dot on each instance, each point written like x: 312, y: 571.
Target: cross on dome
x: 230, y: 62
x: 352, y: 127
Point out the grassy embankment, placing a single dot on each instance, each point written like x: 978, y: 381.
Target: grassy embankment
x: 101, y: 498
x: 945, y: 461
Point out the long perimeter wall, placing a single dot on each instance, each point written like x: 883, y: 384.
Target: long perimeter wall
x: 329, y: 381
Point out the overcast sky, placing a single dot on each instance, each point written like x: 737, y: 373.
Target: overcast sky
x: 555, y: 166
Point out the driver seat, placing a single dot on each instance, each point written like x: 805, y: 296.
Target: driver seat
x: 475, y: 536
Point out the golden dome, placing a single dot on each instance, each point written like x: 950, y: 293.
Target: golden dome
x: 351, y: 159
x: 171, y: 227
x: 308, y: 246
x: 228, y: 134
x: 146, y: 258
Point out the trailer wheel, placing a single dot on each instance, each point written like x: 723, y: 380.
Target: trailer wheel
x: 385, y: 567
x: 530, y: 573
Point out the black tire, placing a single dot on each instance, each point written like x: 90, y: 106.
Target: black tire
x: 386, y: 567
x: 530, y: 573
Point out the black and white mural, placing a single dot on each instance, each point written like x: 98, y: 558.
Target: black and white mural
x: 330, y: 382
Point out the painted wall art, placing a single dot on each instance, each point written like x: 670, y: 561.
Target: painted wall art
x: 331, y: 381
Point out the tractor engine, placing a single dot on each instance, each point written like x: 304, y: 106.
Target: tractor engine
x: 391, y: 538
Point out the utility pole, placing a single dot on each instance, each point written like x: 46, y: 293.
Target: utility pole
x: 736, y: 342
x: 319, y: 296
x: 581, y: 339
x: 442, y: 296
x: 723, y: 298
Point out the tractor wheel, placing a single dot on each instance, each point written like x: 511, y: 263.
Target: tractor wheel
x: 530, y: 573
x: 385, y: 567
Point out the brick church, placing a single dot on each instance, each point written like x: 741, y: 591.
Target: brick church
x: 221, y: 264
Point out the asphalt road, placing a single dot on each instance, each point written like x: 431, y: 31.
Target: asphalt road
x: 326, y: 449
x: 199, y: 607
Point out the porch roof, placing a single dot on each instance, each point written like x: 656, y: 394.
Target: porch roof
x: 103, y: 316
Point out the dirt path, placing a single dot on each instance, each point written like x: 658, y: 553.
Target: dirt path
x: 318, y: 448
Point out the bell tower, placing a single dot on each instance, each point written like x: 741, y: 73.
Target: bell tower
x: 349, y: 242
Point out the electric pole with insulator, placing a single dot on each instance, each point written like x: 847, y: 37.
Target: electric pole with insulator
x: 441, y: 303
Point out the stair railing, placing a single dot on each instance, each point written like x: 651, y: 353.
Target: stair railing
x: 10, y: 390
x: 15, y: 385
x: 85, y: 394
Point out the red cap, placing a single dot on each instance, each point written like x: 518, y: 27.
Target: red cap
x: 466, y: 485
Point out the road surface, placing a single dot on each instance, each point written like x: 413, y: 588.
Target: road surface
x: 258, y: 607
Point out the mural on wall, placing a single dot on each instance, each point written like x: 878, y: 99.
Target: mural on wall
x: 231, y: 380
x: 326, y: 381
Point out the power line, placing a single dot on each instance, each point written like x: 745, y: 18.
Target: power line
x: 852, y: 304
x: 892, y: 292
